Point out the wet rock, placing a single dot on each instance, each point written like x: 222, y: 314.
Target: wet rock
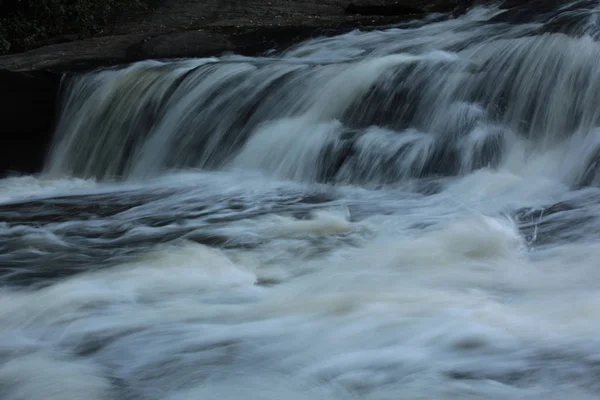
x: 29, y: 106
x: 204, y: 28
x: 385, y: 8
x: 407, y: 8
x: 182, y: 44
x: 57, y: 40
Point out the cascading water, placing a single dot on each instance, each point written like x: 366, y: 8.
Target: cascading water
x: 393, y: 105
x: 412, y: 212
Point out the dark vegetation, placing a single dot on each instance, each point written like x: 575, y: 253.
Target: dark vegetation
x: 26, y: 24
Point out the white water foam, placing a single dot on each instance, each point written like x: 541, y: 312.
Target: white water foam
x: 393, y: 316
x: 29, y: 187
x: 410, y: 213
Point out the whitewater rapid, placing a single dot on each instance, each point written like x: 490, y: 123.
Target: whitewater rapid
x: 407, y: 213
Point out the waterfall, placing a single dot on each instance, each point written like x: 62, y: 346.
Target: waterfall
x: 364, y: 108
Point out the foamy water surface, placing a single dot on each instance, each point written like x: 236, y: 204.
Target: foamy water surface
x: 382, y: 215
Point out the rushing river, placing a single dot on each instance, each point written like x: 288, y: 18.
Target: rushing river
x: 408, y: 213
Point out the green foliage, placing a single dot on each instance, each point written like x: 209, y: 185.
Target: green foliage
x: 35, y: 20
